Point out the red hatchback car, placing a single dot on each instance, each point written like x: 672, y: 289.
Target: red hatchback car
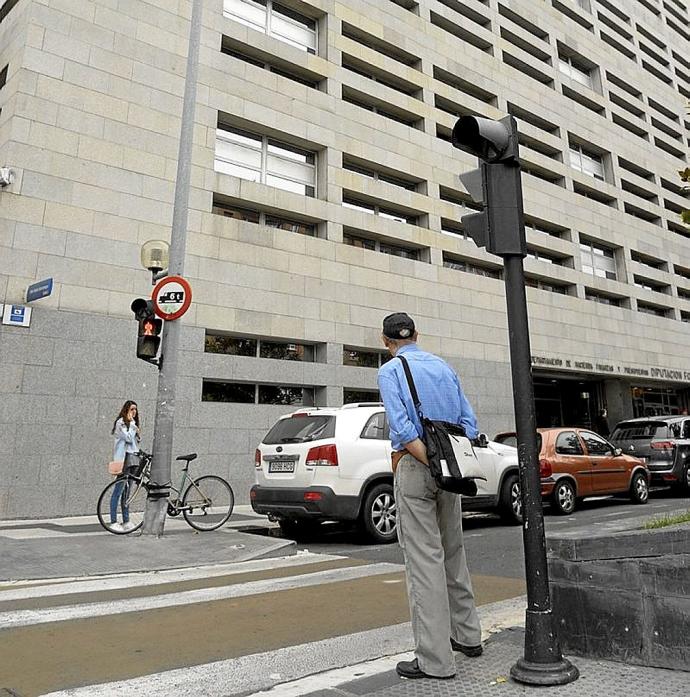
x: 575, y: 462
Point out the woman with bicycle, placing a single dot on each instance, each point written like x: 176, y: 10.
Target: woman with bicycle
x: 127, y: 436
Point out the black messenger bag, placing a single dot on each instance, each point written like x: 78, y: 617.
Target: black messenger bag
x: 452, y: 460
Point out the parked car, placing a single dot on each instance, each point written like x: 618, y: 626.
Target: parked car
x: 575, y: 463
x: 663, y: 442
x: 319, y: 465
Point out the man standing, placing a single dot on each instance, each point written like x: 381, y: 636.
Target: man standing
x: 442, y: 609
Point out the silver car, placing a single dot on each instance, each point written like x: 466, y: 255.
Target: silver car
x: 664, y: 442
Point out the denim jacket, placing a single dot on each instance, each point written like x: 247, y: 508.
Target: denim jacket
x: 125, y: 439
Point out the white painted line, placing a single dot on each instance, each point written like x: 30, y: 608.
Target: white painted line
x: 21, y: 618
x: 20, y: 590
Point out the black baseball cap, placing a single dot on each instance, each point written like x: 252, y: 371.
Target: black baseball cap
x: 399, y: 325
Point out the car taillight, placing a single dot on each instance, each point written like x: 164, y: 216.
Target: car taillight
x: 257, y: 459
x: 545, y: 468
x: 313, y: 496
x: 662, y: 445
x: 323, y: 455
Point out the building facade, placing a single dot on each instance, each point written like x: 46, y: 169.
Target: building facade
x: 325, y: 194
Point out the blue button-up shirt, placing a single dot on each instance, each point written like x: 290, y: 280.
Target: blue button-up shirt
x: 439, y: 392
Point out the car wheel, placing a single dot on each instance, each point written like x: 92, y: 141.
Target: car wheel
x: 639, y: 489
x: 379, y: 516
x: 510, y: 503
x: 563, y: 497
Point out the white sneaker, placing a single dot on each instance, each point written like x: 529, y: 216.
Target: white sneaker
x: 117, y: 527
x: 129, y: 526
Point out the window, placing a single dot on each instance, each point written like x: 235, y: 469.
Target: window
x: 539, y: 255
x: 244, y: 393
x: 368, y: 170
x: 597, y: 260
x: 378, y: 246
x: 376, y: 209
x: 3, y: 76
x: 452, y: 228
x: 532, y: 282
x: 212, y: 391
x: 301, y: 429
x: 651, y: 309
x: 262, y: 159
x: 357, y: 396
x: 468, y: 267
x: 261, y: 348
x: 596, y: 445
x: 230, y: 345
x: 253, y: 216
x: 376, y: 428
x: 362, y: 358
x: 286, y: 351
x: 567, y: 443
x: 586, y: 162
x: 575, y: 70
x: 275, y: 20
x: 601, y: 298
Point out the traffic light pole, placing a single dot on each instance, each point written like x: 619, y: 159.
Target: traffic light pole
x: 543, y: 663
x: 159, y: 488
x: 500, y: 228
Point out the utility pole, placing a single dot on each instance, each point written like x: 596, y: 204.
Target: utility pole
x: 159, y: 487
x: 500, y: 228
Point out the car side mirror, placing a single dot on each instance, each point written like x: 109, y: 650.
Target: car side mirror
x: 617, y: 452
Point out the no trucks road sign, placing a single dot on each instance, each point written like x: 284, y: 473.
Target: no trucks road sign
x: 171, y: 297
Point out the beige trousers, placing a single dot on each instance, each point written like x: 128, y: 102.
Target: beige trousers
x: 438, y: 582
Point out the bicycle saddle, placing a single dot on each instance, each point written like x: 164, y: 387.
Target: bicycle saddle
x: 187, y: 458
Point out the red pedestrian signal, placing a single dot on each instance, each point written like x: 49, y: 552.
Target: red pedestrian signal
x: 149, y: 329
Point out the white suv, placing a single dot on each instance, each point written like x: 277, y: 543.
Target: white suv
x: 335, y: 464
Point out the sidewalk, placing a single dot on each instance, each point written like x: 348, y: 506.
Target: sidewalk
x: 77, y: 547
x: 489, y: 676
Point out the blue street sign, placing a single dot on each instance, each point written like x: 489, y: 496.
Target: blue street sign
x: 41, y: 289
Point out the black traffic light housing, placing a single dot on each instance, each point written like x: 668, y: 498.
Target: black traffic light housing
x: 497, y: 184
x: 148, y: 331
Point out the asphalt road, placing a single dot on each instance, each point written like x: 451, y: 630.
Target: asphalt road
x: 493, y: 548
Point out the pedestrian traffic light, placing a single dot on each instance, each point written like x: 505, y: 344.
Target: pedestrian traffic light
x: 496, y: 184
x: 149, y: 329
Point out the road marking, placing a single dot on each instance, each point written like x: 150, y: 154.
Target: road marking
x: 294, y: 670
x: 20, y: 590
x: 22, y: 618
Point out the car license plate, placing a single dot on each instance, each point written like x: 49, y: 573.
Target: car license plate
x: 281, y: 466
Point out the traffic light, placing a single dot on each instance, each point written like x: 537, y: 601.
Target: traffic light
x: 149, y: 329
x: 496, y: 184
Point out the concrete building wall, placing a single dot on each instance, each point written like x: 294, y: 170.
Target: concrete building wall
x: 90, y: 124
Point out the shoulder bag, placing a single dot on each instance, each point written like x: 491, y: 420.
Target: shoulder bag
x: 452, y: 461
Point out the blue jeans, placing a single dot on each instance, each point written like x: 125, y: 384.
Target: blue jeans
x: 120, y: 495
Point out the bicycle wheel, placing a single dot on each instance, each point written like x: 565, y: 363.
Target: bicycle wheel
x: 207, y: 503
x: 121, y: 505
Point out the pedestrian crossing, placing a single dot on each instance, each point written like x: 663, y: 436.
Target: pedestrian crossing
x: 75, y: 633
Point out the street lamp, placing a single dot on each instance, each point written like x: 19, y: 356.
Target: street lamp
x: 155, y: 256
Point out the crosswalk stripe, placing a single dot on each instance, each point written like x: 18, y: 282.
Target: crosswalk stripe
x: 38, y: 589
x: 58, y: 614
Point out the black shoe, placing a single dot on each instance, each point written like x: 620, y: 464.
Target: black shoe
x: 411, y: 669
x: 471, y: 651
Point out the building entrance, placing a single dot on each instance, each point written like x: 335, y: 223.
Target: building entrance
x: 563, y: 402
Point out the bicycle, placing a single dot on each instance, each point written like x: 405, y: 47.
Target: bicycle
x: 206, y: 504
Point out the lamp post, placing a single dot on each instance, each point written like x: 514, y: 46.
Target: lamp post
x: 160, y: 481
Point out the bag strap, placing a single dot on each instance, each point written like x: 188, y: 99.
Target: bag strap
x: 411, y: 385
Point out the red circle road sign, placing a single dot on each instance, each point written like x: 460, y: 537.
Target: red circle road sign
x: 171, y: 297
